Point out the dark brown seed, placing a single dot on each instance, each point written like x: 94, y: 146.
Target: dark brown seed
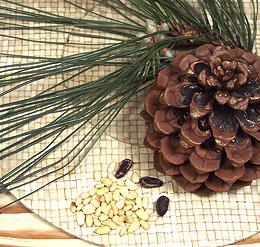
x: 150, y: 182
x: 162, y: 205
x: 123, y: 168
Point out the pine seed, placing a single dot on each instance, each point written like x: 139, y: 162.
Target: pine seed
x: 96, y: 222
x: 103, y: 206
x: 141, y: 214
x: 114, y: 208
x: 99, y: 186
x: 145, y: 202
x: 123, y: 231
x: 107, y: 209
x: 116, y: 195
x: 108, y: 197
x: 124, y: 191
x: 135, y: 177
x: 120, y: 204
x: 89, y: 220
x: 128, y: 202
x: 134, y: 226
x: 108, y: 182
x: 144, y: 224
x: 103, y: 217
x: 123, y: 168
x: 112, y: 167
x: 87, y: 200
x: 95, y: 203
x: 139, y: 202
x: 84, y: 195
x: 149, y: 211
x: 102, y: 191
x: 98, y: 212
x: 111, y: 213
x: 103, y: 230
x: 113, y: 187
x: 79, y: 208
x: 88, y: 209
x: 135, y: 207
x: 120, y: 182
x: 121, y: 212
x: 80, y: 218
x: 73, y: 207
x: 127, y: 207
x: 78, y: 201
x: 129, y: 213
x: 130, y: 185
x: 132, y: 195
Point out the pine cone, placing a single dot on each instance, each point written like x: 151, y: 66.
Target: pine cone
x: 203, y: 119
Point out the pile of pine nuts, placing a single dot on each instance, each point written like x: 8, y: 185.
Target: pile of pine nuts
x: 114, y: 203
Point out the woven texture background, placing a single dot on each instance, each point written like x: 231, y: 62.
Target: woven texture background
x: 191, y: 220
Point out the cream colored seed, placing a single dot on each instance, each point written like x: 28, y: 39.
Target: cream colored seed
x: 111, y: 213
x: 84, y: 195
x: 128, y: 202
x: 112, y: 167
x: 149, y: 211
x: 78, y: 201
x: 80, y: 218
x: 123, y: 231
x: 112, y: 177
x: 113, y: 187
x: 116, y: 195
x: 144, y: 224
x: 114, y: 208
x: 99, y: 186
x: 108, y: 197
x: 73, y: 207
x: 103, y: 230
x: 129, y: 219
x: 120, y: 182
x: 112, y: 225
x: 98, y: 212
x: 135, y: 207
x: 152, y: 218
x: 124, y: 191
x: 106, y: 222
x: 130, y: 185
x: 127, y: 207
x: 121, y: 218
x: 145, y: 202
x: 103, y: 206
x: 88, y: 209
x: 134, y: 226
x: 89, y: 220
x: 129, y: 213
x: 95, y: 203
x: 121, y: 212
x: 96, y: 222
x: 79, y: 208
x: 115, y: 218
x: 103, y: 217
x: 120, y: 204
x: 135, y: 177
x: 101, y: 198
x: 102, y: 191
x: 132, y: 195
x: 139, y: 202
x: 87, y: 200
x: 107, y: 209
x: 92, y: 192
x: 107, y: 181
x: 141, y: 214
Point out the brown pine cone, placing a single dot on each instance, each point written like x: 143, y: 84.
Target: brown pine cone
x: 203, y: 119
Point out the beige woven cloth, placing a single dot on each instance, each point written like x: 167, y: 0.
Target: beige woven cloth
x: 191, y: 220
